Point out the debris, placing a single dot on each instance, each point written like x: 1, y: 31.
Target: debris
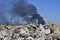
x: 29, y: 32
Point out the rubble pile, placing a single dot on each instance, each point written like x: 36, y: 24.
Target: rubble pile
x: 27, y: 32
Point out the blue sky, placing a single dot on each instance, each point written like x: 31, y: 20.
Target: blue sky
x: 48, y: 9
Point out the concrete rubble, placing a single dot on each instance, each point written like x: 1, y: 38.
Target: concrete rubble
x: 28, y: 32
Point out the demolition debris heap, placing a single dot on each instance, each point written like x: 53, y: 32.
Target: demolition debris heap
x: 29, y: 32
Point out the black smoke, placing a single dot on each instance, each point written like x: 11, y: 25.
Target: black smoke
x: 28, y: 12
x: 20, y: 8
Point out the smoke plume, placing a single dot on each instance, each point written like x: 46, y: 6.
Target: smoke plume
x: 28, y: 12
x: 19, y: 12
